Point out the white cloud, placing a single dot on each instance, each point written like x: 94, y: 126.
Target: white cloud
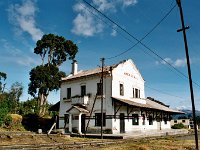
x: 87, y: 22
x: 23, y: 18
x: 180, y: 63
x: 176, y: 63
x: 14, y: 55
x: 105, y: 5
x: 84, y: 23
x: 114, y: 32
x: 127, y: 3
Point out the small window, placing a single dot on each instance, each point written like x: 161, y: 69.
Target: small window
x: 150, y: 120
x: 137, y: 93
x: 133, y: 93
x: 121, y: 86
x: 183, y: 121
x: 143, y: 119
x: 165, y: 120
x: 83, y: 90
x: 175, y: 121
x: 68, y: 93
x: 66, y: 118
x: 99, y: 88
x: 135, y: 119
x: 98, y: 119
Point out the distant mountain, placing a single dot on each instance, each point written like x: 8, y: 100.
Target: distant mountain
x: 188, y: 114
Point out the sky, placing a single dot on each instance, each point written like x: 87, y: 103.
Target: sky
x: 23, y: 22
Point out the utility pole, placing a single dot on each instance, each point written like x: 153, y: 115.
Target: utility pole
x: 189, y: 70
x: 102, y: 60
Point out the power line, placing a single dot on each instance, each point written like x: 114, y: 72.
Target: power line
x: 157, y: 90
x: 140, y: 42
x: 167, y: 14
x: 111, y: 26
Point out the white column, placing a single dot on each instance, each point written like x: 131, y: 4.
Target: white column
x: 70, y: 123
x: 79, y: 123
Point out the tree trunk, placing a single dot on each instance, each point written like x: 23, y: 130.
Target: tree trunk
x: 42, y: 101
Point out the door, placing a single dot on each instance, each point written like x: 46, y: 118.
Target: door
x: 83, y: 123
x: 122, y: 123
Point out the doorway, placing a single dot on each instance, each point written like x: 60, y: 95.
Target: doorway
x: 122, y: 123
x: 83, y: 123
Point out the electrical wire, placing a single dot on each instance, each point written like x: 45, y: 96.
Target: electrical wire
x: 140, y: 42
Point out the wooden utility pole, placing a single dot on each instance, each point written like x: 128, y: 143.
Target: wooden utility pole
x: 189, y: 70
x: 102, y: 60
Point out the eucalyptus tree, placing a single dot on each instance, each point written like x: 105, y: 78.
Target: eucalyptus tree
x: 3, y: 77
x: 53, y: 50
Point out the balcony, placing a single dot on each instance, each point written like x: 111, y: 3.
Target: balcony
x: 80, y: 100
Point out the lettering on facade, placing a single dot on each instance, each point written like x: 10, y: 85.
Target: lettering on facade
x: 129, y: 74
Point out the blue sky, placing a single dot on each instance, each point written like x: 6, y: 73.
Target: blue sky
x: 23, y: 22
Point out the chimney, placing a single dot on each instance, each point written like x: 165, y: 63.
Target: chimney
x: 74, y: 67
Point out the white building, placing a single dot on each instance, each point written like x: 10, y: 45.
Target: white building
x: 125, y: 108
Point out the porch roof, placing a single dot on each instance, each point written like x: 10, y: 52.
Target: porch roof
x: 79, y: 108
x: 149, y: 104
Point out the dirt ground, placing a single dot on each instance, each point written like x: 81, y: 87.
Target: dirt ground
x: 159, y: 143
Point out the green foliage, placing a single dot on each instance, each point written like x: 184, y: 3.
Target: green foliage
x: 57, y: 48
x: 2, y: 76
x: 44, y: 79
x: 178, y: 126
x: 8, y: 120
x: 28, y: 107
x: 4, y: 107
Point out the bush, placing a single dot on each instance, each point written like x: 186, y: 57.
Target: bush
x: 8, y: 120
x: 178, y: 126
x: 16, y: 119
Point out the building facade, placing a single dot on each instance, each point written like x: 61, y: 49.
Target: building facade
x: 125, y: 108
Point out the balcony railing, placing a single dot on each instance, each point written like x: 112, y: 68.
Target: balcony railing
x: 80, y: 100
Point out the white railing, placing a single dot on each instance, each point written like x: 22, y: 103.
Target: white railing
x: 80, y: 100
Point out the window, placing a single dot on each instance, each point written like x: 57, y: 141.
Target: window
x: 135, y: 119
x: 98, y: 119
x: 133, y: 93
x: 150, y: 120
x: 183, y: 121
x: 83, y: 90
x: 137, y: 93
x: 121, y: 87
x: 68, y: 93
x: 143, y: 119
x: 99, y: 86
x: 165, y: 120
x: 175, y: 121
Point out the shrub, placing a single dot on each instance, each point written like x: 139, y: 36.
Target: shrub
x: 16, y: 119
x: 178, y: 126
x: 8, y: 120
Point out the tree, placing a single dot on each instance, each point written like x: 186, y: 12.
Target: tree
x: 46, y: 77
x: 16, y: 91
x: 57, y: 48
x: 2, y: 86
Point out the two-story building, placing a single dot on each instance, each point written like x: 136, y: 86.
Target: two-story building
x: 125, y: 108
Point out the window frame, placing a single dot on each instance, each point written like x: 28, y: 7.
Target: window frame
x: 69, y: 93
x: 99, y: 88
x: 135, y: 119
x: 83, y: 90
x: 98, y: 119
x: 121, y: 89
x: 150, y: 120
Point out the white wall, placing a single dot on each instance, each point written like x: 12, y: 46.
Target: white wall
x: 91, y: 87
x: 128, y: 75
